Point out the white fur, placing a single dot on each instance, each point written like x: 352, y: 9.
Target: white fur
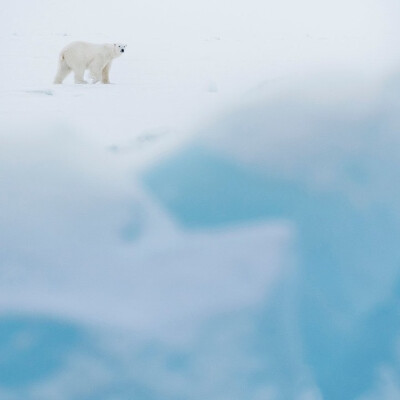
x: 79, y: 56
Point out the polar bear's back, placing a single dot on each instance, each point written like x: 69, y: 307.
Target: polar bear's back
x: 84, y: 51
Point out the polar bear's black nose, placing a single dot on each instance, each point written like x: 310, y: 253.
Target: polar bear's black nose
x: 122, y: 50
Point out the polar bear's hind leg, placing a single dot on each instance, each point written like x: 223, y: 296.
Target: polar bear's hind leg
x: 79, y: 74
x: 62, y: 72
x: 95, y: 68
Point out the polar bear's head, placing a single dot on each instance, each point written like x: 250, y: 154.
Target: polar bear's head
x: 119, y: 48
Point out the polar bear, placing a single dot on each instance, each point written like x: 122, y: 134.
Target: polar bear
x: 79, y: 56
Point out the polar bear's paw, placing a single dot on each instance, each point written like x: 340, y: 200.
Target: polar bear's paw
x: 93, y: 80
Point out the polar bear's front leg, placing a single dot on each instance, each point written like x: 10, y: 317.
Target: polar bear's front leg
x: 106, y: 73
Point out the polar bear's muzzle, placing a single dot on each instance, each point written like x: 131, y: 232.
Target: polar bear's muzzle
x: 122, y: 50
